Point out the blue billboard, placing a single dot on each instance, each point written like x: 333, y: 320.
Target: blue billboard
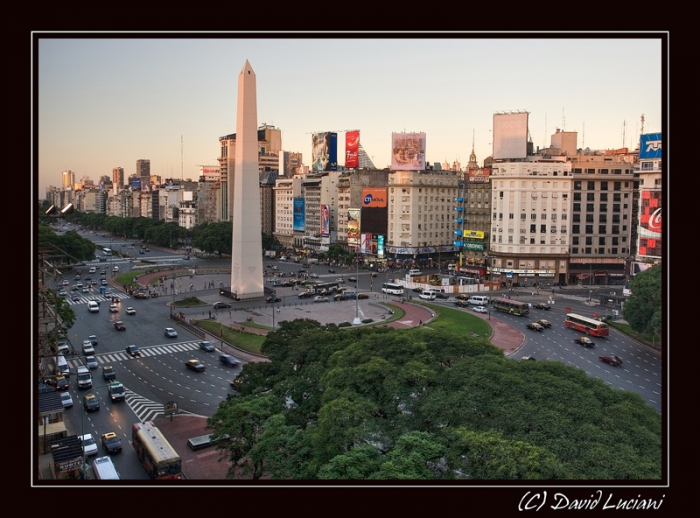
x: 650, y: 146
x: 299, y: 214
x: 136, y: 183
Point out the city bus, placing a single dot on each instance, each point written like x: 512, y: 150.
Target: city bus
x: 155, y: 452
x: 587, y: 325
x: 107, y: 251
x: 392, y: 289
x: 511, y: 306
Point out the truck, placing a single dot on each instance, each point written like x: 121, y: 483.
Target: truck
x: 84, y: 378
x: 117, y: 391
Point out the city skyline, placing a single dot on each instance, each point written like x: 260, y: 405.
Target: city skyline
x: 105, y: 103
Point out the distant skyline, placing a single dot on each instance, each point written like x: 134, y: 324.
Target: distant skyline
x: 107, y: 102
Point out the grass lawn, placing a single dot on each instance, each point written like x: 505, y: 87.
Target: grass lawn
x: 245, y: 341
x: 458, y: 322
x: 650, y: 340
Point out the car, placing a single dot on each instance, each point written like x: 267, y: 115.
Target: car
x: 88, y: 348
x: 544, y: 323
x: 352, y: 279
x: 170, y: 332
x: 480, y: 309
x: 339, y: 280
x: 62, y: 348
x: 331, y: 270
x: 113, y: 308
x: 117, y: 391
x: 584, y: 340
x: 93, y: 339
x: 418, y: 289
x: 116, y: 300
x: 89, y: 444
x: 133, y: 351
x: 274, y: 267
x: 532, y: 358
x: 462, y: 303
x: 441, y: 295
x: 535, y: 326
x: 318, y: 298
x: 362, y: 296
x: 85, y: 289
x: 206, y: 346
x: 542, y: 305
x: 75, y: 297
x: 141, y: 295
x: 108, y: 372
x: 221, y: 305
x: 116, y: 268
x: 65, y: 282
x: 273, y: 299
x: 611, y: 359
x: 111, y: 442
x: 374, y: 274
x: 103, y: 282
x: 305, y: 295
x: 91, y: 362
x: 229, y: 360
x: 462, y: 296
x: 62, y: 292
x: 119, y: 325
x: 66, y: 400
x: 91, y: 403
x: 313, y: 275
x: 61, y: 383
x: 195, y: 365
x: 130, y: 311
x: 140, y: 251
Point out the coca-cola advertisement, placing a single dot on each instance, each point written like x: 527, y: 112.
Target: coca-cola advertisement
x: 650, y: 223
x: 352, y: 148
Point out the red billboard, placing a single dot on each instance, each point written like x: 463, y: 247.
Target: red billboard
x: 352, y: 148
x: 479, y: 175
x: 650, y: 223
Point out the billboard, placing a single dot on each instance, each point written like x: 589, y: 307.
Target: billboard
x: 136, y: 183
x: 408, y: 151
x: 299, y: 214
x: 324, y: 152
x: 352, y: 148
x: 366, y: 246
x: 325, y: 221
x: 380, y: 245
x: 650, y: 146
x: 473, y: 234
x: 650, y: 223
x: 354, y: 226
x: 510, y: 135
x: 479, y: 175
x: 374, y: 197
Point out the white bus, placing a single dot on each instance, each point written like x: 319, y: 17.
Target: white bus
x: 392, y: 289
x: 107, y: 251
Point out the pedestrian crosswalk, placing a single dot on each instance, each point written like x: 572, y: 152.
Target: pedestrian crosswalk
x: 145, y: 409
x: 87, y: 297
x: 153, y: 350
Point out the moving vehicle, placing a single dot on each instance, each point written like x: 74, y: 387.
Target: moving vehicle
x: 481, y: 309
x: 113, y: 308
x: 414, y: 271
x: 84, y: 378
x: 305, y: 295
x: 92, y: 306
x: 155, y: 452
x: 89, y: 444
x: 91, y: 403
x: 104, y: 469
x: 195, y: 365
x: 352, y: 279
x: 62, y: 366
x: 535, y: 326
x: 584, y: 340
x: 91, y: 362
x: 93, y: 339
x: 130, y: 311
x: 542, y: 305
x: 611, y: 359
x: 62, y: 348
x: 463, y: 304
x: 361, y: 296
x: 427, y: 295
x: 61, y: 383
x: 66, y: 400
x: 462, y: 296
x: 273, y: 299
x: 321, y: 299
x: 108, y: 372
x: 586, y: 325
x: 544, y: 323
x: 107, y: 251
x: 133, y: 351
x: 117, y: 392
x: 170, y: 332
x: 513, y: 307
x: 229, y: 360
x: 478, y: 300
x: 87, y: 347
x: 111, y: 442
x: 221, y: 305
x: 119, y: 325
x: 206, y: 346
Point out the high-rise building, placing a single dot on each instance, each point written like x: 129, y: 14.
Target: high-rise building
x: 143, y: 171
x: 68, y: 180
x: 118, y: 177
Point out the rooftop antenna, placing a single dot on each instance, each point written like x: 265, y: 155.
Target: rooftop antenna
x: 563, y: 120
x: 583, y: 137
x: 642, y: 124
x: 544, y: 142
x: 182, y: 163
x: 624, y: 128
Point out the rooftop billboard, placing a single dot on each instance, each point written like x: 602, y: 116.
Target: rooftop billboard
x: 650, y: 146
x: 408, y: 151
x: 352, y: 149
x: 299, y: 218
x: 324, y: 152
x: 510, y: 135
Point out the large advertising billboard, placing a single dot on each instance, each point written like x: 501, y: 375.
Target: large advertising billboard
x: 352, y: 149
x: 136, y: 183
x: 324, y: 152
x: 299, y: 215
x: 650, y: 223
x: 650, y: 146
x: 408, y: 151
x: 374, y: 197
x: 325, y: 221
x: 479, y: 175
x: 354, y: 226
x: 510, y: 135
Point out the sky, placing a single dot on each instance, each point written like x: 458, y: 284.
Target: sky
x: 107, y: 102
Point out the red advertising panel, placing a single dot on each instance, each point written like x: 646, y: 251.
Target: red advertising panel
x: 374, y: 197
x: 352, y: 148
x: 408, y: 151
x: 479, y: 175
x: 650, y: 223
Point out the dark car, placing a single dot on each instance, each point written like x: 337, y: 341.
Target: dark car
x: 362, y: 296
x: 611, y: 359
x: 441, y: 295
x: 93, y: 339
x: 221, y: 305
x: 206, y: 346
x: 305, y: 295
x: 544, y: 323
x: 352, y: 279
x: 108, y: 372
x: 542, y: 305
x: 195, y: 365
x: 111, y: 442
x: 229, y: 360
x: 75, y: 297
x: 119, y: 325
x: 273, y: 299
x: 535, y: 326
x: 132, y: 350
x: 584, y: 340
x: 61, y: 383
x: 462, y: 296
x: 91, y: 403
x: 462, y: 303
x: 331, y: 270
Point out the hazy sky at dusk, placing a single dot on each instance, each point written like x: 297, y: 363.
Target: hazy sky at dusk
x: 105, y: 103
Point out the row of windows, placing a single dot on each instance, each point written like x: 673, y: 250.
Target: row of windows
x: 533, y: 217
x: 599, y: 251
x: 602, y: 229
x: 601, y: 240
x: 603, y: 186
x: 602, y: 218
x: 577, y: 170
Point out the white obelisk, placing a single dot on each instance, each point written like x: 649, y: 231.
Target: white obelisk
x: 246, y: 253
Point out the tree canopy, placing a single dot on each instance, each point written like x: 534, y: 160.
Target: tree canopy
x: 388, y: 404
x: 643, y: 309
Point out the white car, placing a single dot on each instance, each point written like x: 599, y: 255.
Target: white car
x: 89, y: 444
x: 88, y: 349
x: 114, y: 308
x: 66, y: 399
x: 130, y: 311
x: 480, y: 309
x: 170, y: 332
x: 115, y: 269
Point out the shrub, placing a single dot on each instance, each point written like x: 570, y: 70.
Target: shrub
x: 367, y: 321
x: 344, y: 324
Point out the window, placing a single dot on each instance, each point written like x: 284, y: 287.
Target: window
x: 577, y: 207
x: 523, y: 216
x: 577, y: 170
x: 577, y: 185
x: 616, y: 207
x: 543, y: 216
x: 554, y: 217
x: 603, y: 207
x: 577, y: 196
x: 500, y: 194
x: 563, y: 217
x: 616, y: 218
x: 603, y: 196
x: 589, y: 229
x: 577, y: 218
x: 510, y: 216
x: 576, y: 229
x: 617, y: 186
x: 533, y: 217
x: 589, y: 218
x: 601, y: 240
x: 589, y: 240
x: 590, y: 196
x: 574, y: 250
x: 590, y: 207
x: 533, y: 229
x: 575, y: 241
x: 543, y: 228
x: 587, y: 251
x: 591, y: 185
x: 494, y: 215
x: 616, y: 229
x: 602, y: 229
x: 603, y: 186
x: 604, y: 171
x: 614, y: 250
x: 602, y: 218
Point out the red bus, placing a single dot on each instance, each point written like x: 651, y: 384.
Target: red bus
x: 587, y: 325
x: 155, y: 453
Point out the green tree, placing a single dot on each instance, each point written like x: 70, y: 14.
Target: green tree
x: 644, y: 307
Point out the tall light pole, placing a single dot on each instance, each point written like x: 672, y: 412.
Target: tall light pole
x: 357, y: 320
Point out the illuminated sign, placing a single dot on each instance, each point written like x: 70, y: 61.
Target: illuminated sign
x: 474, y: 234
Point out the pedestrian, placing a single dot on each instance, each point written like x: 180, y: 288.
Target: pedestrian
x: 210, y: 313
x: 420, y: 322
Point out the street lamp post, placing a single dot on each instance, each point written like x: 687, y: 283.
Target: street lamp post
x: 357, y: 320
